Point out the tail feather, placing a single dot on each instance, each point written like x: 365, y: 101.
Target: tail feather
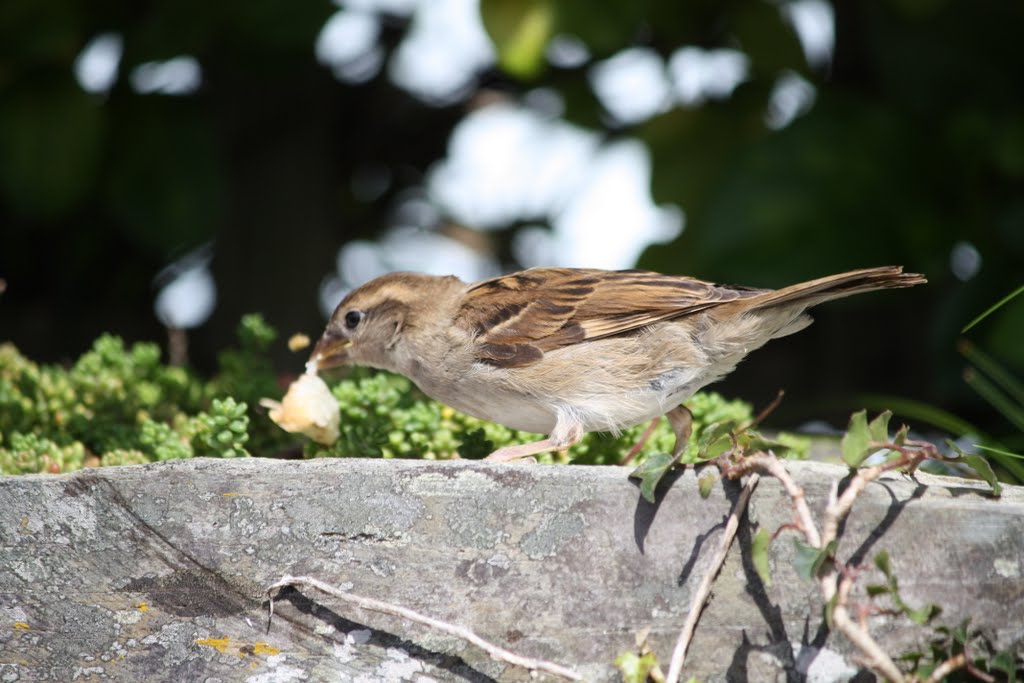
x: 769, y: 314
x: 823, y: 289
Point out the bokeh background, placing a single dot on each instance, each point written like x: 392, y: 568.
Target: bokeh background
x: 176, y: 164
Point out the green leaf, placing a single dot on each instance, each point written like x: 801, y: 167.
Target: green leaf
x: 999, y: 451
x: 924, y: 672
x: 879, y: 427
x: 995, y: 397
x: 883, y: 564
x: 705, y: 484
x: 983, y: 469
x: 920, y: 411
x: 980, y: 466
x: 830, y: 607
x: 960, y: 632
x: 809, y: 560
x: 857, y: 440
x: 520, y: 32
x: 635, y: 668
x: 759, y: 555
x: 991, y: 309
x: 876, y: 589
x: 1005, y: 662
x: 923, y: 615
x: 994, y: 369
x: 715, y: 430
x: 650, y: 473
x: 715, y: 439
x: 901, y: 435
x: 757, y: 443
x: 913, y: 657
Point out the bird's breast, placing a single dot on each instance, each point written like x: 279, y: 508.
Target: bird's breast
x: 604, y: 385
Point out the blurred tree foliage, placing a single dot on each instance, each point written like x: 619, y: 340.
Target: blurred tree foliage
x: 915, y: 142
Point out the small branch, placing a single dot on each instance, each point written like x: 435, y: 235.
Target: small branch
x: 177, y: 346
x: 704, y: 590
x: 768, y: 410
x: 639, y: 445
x: 373, y: 605
x: 839, y: 508
x: 831, y: 582
x: 875, y: 657
x: 767, y: 463
x: 837, y: 581
x: 979, y: 674
x: 947, y: 667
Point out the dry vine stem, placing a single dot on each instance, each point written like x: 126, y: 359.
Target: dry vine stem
x: 462, y: 632
x: 832, y: 583
x: 836, y: 584
x: 704, y: 590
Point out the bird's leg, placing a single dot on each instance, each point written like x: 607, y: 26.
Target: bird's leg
x: 565, y: 434
x: 641, y: 442
x: 681, y: 420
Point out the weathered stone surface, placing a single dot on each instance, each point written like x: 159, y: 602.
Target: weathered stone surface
x: 156, y: 573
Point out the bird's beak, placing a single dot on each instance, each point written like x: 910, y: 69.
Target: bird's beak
x: 330, y: 352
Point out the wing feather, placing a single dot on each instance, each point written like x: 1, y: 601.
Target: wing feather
x: 519, y: 317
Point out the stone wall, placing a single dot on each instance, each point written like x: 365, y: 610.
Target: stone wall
x: 157, y: 572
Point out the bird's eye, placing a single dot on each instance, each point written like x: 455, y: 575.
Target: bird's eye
x: 353, y: 318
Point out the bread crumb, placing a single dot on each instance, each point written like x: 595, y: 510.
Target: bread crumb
x: 297, y: 342
x: 308, y: 408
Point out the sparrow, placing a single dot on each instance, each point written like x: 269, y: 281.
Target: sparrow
x: 565, y: 351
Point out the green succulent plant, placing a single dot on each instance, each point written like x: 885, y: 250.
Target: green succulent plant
x: 120, y: 404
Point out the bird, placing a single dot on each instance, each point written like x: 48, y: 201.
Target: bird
x: 566, y: 351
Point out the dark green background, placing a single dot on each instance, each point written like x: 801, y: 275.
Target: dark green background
x: 915, y: 141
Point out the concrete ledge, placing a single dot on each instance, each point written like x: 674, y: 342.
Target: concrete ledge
x: 156, y: 572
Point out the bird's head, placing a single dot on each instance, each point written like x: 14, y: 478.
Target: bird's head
x: 370, y: 323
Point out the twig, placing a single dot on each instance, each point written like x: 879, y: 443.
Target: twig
x: 947, y: 667
x: 704, y: 590
x: 766, y: 411
x: 767, y: 463
x: 835, y: 586
x: 979, y: 674
x: 839, y: 506
x: 830, y: 582
x: 177, y: 346
x: 639, y: 445
x: 462, y: 632
x: 875, y: 657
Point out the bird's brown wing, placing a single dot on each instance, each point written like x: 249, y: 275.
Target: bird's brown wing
x: 517, y: 318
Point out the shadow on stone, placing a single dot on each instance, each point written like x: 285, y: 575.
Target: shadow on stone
x: 342, y: 627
